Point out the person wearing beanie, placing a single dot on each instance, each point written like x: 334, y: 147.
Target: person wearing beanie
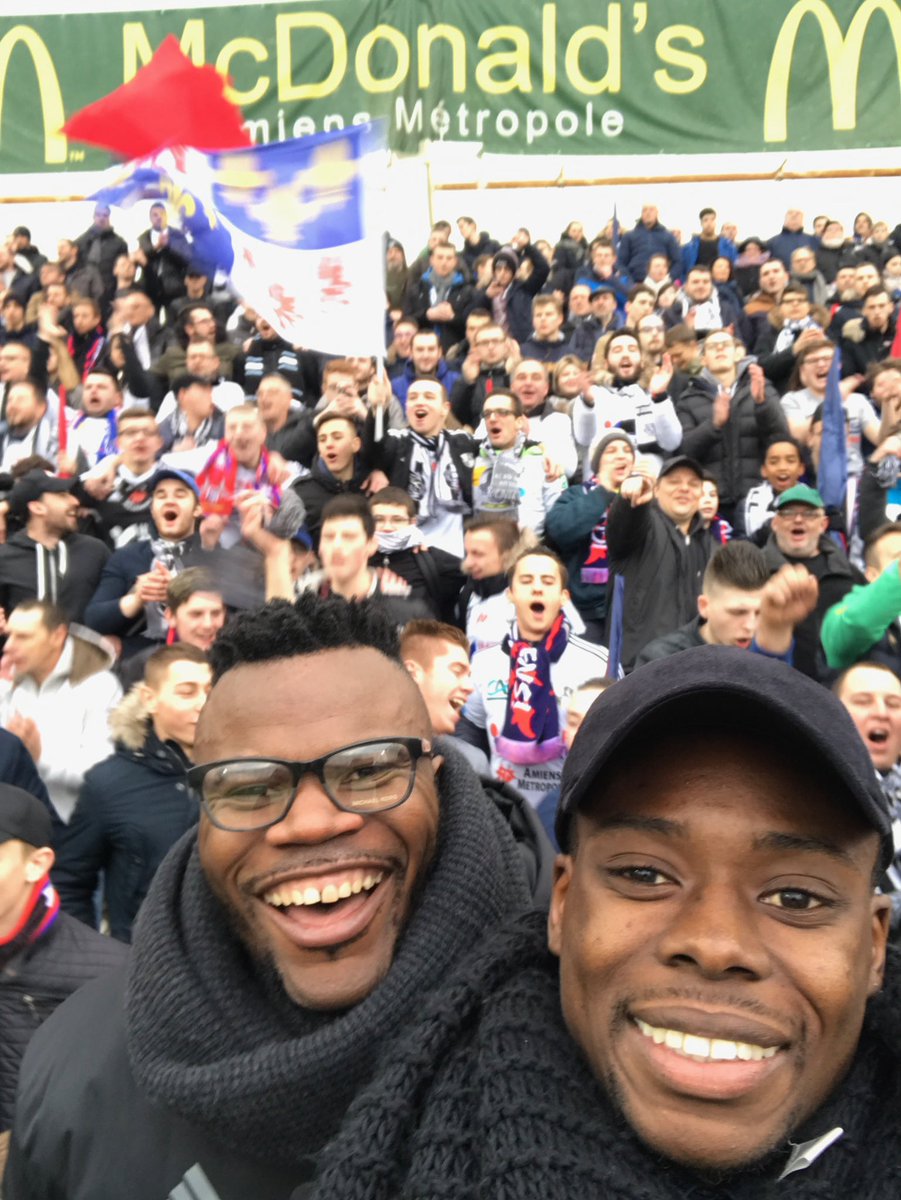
x: 577, y: 526
x: 44, y: 955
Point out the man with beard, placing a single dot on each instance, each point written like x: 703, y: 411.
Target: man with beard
x: 577, y: 526
x: 647, y: 415
x: 509, y: 474
x: 131, y: 594
x: 773, y: 279
x: 870, y: 339
x: 517, y: 709
x: 433, y: 464
x: 47, y: 559
x: 315, y: 907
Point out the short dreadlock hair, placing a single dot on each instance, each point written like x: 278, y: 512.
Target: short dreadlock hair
x: 311, y: 624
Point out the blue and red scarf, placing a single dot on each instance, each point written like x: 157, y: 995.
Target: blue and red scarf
x: 531, y: 732
x: 108, y: 444
x: 38, y: 915
x: 217, y: 482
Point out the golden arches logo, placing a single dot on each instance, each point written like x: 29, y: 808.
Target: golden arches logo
x: 842, y: 57
x: 55, y: 143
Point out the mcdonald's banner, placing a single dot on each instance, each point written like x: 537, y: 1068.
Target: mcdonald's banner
x: 572, y: 76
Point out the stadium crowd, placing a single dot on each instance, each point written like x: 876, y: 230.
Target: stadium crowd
x: 576, y: 462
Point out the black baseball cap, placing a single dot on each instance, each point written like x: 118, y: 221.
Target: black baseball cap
x: 712, y: 686
x: 23, y: 817
x: 681, y: 460
x: 33, y: 485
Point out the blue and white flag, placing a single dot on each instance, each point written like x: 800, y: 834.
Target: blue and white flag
x: 300, y: 228
x: 832, y: 477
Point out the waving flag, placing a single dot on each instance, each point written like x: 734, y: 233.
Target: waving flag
x: 306, y: 240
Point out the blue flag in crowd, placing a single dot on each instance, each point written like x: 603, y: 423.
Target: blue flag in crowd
x: 832, y: 477
x: 153, y: 180
x: 293, y: 225
x: 616, y: 231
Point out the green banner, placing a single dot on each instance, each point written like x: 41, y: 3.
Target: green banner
x: 576, y: 77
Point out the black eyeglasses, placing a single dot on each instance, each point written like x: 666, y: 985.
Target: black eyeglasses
x: 241, y: 794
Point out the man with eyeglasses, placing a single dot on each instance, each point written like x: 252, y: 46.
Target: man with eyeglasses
x: 341, y: 869
x: 790, y: 330
x: 798, y: 535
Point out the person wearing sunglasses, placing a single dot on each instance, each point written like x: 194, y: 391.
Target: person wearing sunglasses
x: 340, y: 870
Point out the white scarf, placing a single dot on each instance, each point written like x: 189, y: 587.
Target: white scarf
x: 434, y: 482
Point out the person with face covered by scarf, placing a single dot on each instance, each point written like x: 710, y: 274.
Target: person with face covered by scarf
x: 434, y: 576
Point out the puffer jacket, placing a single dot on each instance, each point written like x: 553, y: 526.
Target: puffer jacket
x: 35, y: 981
x: 734, y: 453
x: 131, y: 809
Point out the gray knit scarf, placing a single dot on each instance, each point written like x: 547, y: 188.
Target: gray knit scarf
x: 213, y: 1035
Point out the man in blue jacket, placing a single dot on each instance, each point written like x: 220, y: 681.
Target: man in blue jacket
x: 647, y: 238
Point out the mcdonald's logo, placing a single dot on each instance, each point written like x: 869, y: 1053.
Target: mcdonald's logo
x: 842, y: 57
x: 52, y: 112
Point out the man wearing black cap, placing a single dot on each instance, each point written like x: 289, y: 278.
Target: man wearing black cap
x: 44, y: 954
x: 659, y: 546
x: 603, y: 317
x: 48, y: 560
x: 709, y: 1021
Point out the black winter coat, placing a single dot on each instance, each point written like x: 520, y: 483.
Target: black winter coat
x: 661, y: 568
x: 131, y: 809
x: 519, y: 296
x: 836, y: 577
x: 84, y: 559
x: 316, y: 488
x: 118, y: 1117
x: 734, y: 453
x: 38, y: 979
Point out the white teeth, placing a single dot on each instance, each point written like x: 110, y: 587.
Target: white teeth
x: 703, y: 1049
x: 330, y: 894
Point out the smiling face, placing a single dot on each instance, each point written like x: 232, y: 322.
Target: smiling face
x: 425, y: 351
x: 530, y: 384
x: 537, y: 591
x: 198, y: 620
x: 718, y: 940
x: 679, y: 494
x: 427, y: 407
x: 328, y: 955
x: 445, y: 681
x: 872, y: 695
x: 782, y: 466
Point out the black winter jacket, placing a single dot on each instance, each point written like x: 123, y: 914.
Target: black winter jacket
x: 317, y: 486
x: 131, y: 809
x: 74, y: 568
x: 519, y: 295
x: 662, y: 570
x: 35, y: 981
x: 734, y: 453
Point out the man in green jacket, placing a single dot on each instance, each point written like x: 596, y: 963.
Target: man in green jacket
x: 864, y: 624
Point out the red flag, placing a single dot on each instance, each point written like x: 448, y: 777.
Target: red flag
x: 170, y: 102
x: 896, y: 340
